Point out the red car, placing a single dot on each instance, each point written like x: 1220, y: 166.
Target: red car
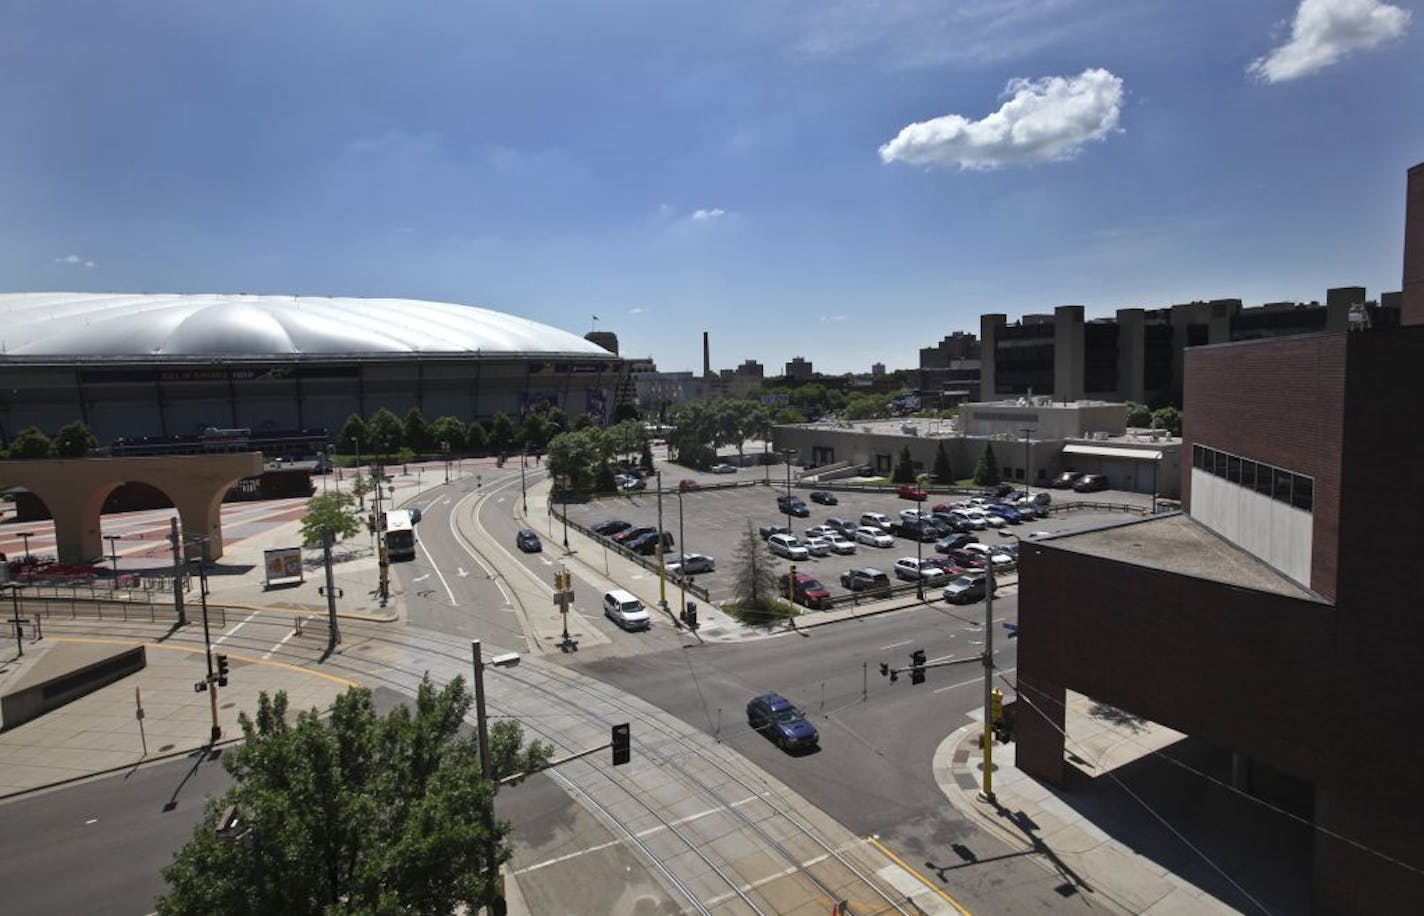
x: 942, y: 507
x: 950, y: 567
x: 967, y: 559
x: 685, y: 485
x: 909, y: 491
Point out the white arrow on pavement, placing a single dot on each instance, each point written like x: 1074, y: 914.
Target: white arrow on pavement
x: 460, y: 571
x: 421, y: 578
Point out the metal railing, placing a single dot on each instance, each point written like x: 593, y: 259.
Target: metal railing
x: 649, y: 563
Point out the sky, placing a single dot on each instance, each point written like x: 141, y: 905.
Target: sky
x: 843, y: 180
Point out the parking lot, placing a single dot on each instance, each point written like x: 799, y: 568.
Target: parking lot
x: 713, y: 520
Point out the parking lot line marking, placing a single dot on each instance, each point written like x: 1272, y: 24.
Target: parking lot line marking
x: 973, y: 680
x: 895, y: 645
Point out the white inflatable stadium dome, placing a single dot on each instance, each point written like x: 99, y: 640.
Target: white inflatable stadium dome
x: 170, y: 325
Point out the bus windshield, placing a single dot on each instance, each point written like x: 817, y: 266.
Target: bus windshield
x: 399, y: 535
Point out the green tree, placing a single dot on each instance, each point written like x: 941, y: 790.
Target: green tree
x: 943, y: 472
x: 448, y: 429
x: 754, y: 585
x: 576, y: 457
x: 354, y: 436
x: 31, y: 443
x: 986, y: 472
x: 387, y: 433
x: 417, y: 431
x: 583, y: 421
x: 358, y: 813
x: 1138, y: 415
x: 362, y: 484
x: 558, y: 421
x: 476, y: 437
x: 74, y: 440
x: 646, y: 461
x: 1168, y: 418
x: 330, y: 513
x: 535, y: 432
x: 501, y: 433
x: 905, y: 467
x: 621, y: 412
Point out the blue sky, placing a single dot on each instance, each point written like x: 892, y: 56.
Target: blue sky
x: 844, y: 181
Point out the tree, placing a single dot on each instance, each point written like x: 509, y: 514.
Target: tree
x: 755, y: 583
x: 558, y: 421
x: 353, y: 436
x: 583, y: 421
x: 31, y: 443
x: 476, y: 438
x: 363, y: 484
x: 329, y: 514
x: 501, y: 433
x: 943, y: 473
x: 74, y: 441
x: 360, y: 813
x: 535, y: 432
x: 416, y: 430
x: 905, y: 467
x: 646, y: 461
x: 449, y: 430
x: 986, y: 472
x: 387, y: 432
x: 1138, y: 415
x: 1168, y: 418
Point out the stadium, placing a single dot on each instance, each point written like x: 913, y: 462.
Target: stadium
x: 166, y: 365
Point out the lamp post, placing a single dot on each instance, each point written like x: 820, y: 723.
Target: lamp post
x: 208, y: 639
x: 788, y: 453
x: 920, y: 544
x: 682, y: 558
x: 523, y: 490
x: 662, y: 576
x: 1028, y: 463
x: 445, y: 450
x: 114, y: 555
x: 505, y: 660
x: 15, y: 599
x: 25, y: 536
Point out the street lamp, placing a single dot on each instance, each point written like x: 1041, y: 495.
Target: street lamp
x: 504, y: 660
x: 920, y: 543
x: 662, y: 577
x: 788, y: 452
x: 25, y: 536
x: 523, y: 490
x: 1028, y: 463
x: 114, y: 555
x: 682, y: 557
x: 445, y: 450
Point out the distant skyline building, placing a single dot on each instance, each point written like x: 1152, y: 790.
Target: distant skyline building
x: 1412, y: 299
x: 877, y: 369
x: 799, y: 370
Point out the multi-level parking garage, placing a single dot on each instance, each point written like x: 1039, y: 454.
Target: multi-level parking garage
x: 164, y: 365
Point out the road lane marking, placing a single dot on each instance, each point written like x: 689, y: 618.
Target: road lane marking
x: 233, y: 632
x: 926, y: 881
x: 453, y: 602
x: 973, y: 680
x: 895, y: 645
x: 282, y: 642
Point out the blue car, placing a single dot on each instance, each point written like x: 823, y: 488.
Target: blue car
x: 1006, y: 513
x: 778, y: 718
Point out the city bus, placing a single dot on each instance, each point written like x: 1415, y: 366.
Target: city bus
x: 399, y: 535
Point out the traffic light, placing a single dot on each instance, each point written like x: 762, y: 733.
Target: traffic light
x: 622, y: 741
x: 917, y: 666
x: 222, y: 670
x: 996, y: 705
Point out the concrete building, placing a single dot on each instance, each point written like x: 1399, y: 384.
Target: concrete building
x: 1138, y: 354
x: 163, y: 365
x: 1412, y: 300
x: 800, y: 370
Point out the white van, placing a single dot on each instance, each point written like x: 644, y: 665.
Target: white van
x: 625, y: 610
x: 875, y: 520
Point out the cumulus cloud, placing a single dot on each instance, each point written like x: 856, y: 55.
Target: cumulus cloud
x: 76, y: 260
x: 636, y: 310
x: 1042, y: 120
x: 1325, y: 31
x: 708, y: 214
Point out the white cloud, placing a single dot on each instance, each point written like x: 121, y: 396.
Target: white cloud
x: 834, y: 317
x: 636, y: 310
x: 1043, y: 120
x: 708, y: 214
x: 75, y: 260
x: 1325, y: 31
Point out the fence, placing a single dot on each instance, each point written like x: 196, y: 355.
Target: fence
x: 142, y: 609
x: 1100, y: 507
x: 649, y: 563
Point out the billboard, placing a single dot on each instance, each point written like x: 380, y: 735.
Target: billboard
x: 283, y: 563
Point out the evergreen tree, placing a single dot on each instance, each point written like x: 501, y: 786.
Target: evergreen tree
x: 501, y: 433
x: 986, y: 472
x: 449, y: 430
x: 647, y: 460
x: 387, y: 433
x: 74, y: 441
x: 417, y: 431
x: 476, y: 438
x: 354, y: 436
x: 943, y: 473
x: 905, y: 467
x: 31, y: 444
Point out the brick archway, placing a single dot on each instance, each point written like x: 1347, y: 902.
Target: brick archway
x: 74, y: 490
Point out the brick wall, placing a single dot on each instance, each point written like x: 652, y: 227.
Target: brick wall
x: 1280, y: 401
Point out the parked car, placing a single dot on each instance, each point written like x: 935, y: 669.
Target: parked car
x: 989, y: 521
x: 528, y: 541
x: 818, y: 547
x: 633, y: 533
x: 912, y: 515
x: 629, y: 482
x: 724, y: 468
x: 824, y: 497
x: 951, y: 569
x: 952, y: 522
x: 840, y: 543
x: 685, y: 486
x: 415, y: 514
x: 805, y: 591
x: 792, y: 505
x: 844, y: 525
x: 999, y: 558
x: 910, y: 491
x: 865, y: 579
x: 1065, y: 480
x: 915, y: 531
x: 788, y: 546
x: 953, y: 542
x: 610, y: 526
x: 938, y: 508
x: 1090, y: 483
x: 912, y: 569
x: 648, y: 543
x: 967, y: 558
x: 873, y: 537
x: 778, y: 718
x: 875, y: 520
x: 1007, y: 513
x: 968, y: 521
x: 693, y: 564
x: 966, y: 589
x: 820, y: 531
x: 625, y: 610
x: 767, y: 531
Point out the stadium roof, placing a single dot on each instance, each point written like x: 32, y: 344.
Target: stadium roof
x: 99, y: 325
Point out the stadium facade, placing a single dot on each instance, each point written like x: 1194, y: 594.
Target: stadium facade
x: 134, y: 365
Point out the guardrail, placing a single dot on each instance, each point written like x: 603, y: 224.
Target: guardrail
x: 1099, y: 507
x: 648, y: 563
x: 137, y: 606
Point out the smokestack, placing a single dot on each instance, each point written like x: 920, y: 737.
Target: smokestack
x: 706, y: 357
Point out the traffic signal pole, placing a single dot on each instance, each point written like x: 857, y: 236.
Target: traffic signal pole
x: 988, y: 794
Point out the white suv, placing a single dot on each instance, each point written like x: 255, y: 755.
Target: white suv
x: 787, y: 545
x: 625, y: 610
x: 875, y: 520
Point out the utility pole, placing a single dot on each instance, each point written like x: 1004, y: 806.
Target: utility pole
x: 662, y: 577
x: 334, y: 635
x: 177, y: 570
x: 788, y: 453
x: 113, y: 540
x: 989, y: 683
x: 1028, y: 463
x: 682, y: 559
x: 208, y: 641
x: 523, y: 490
